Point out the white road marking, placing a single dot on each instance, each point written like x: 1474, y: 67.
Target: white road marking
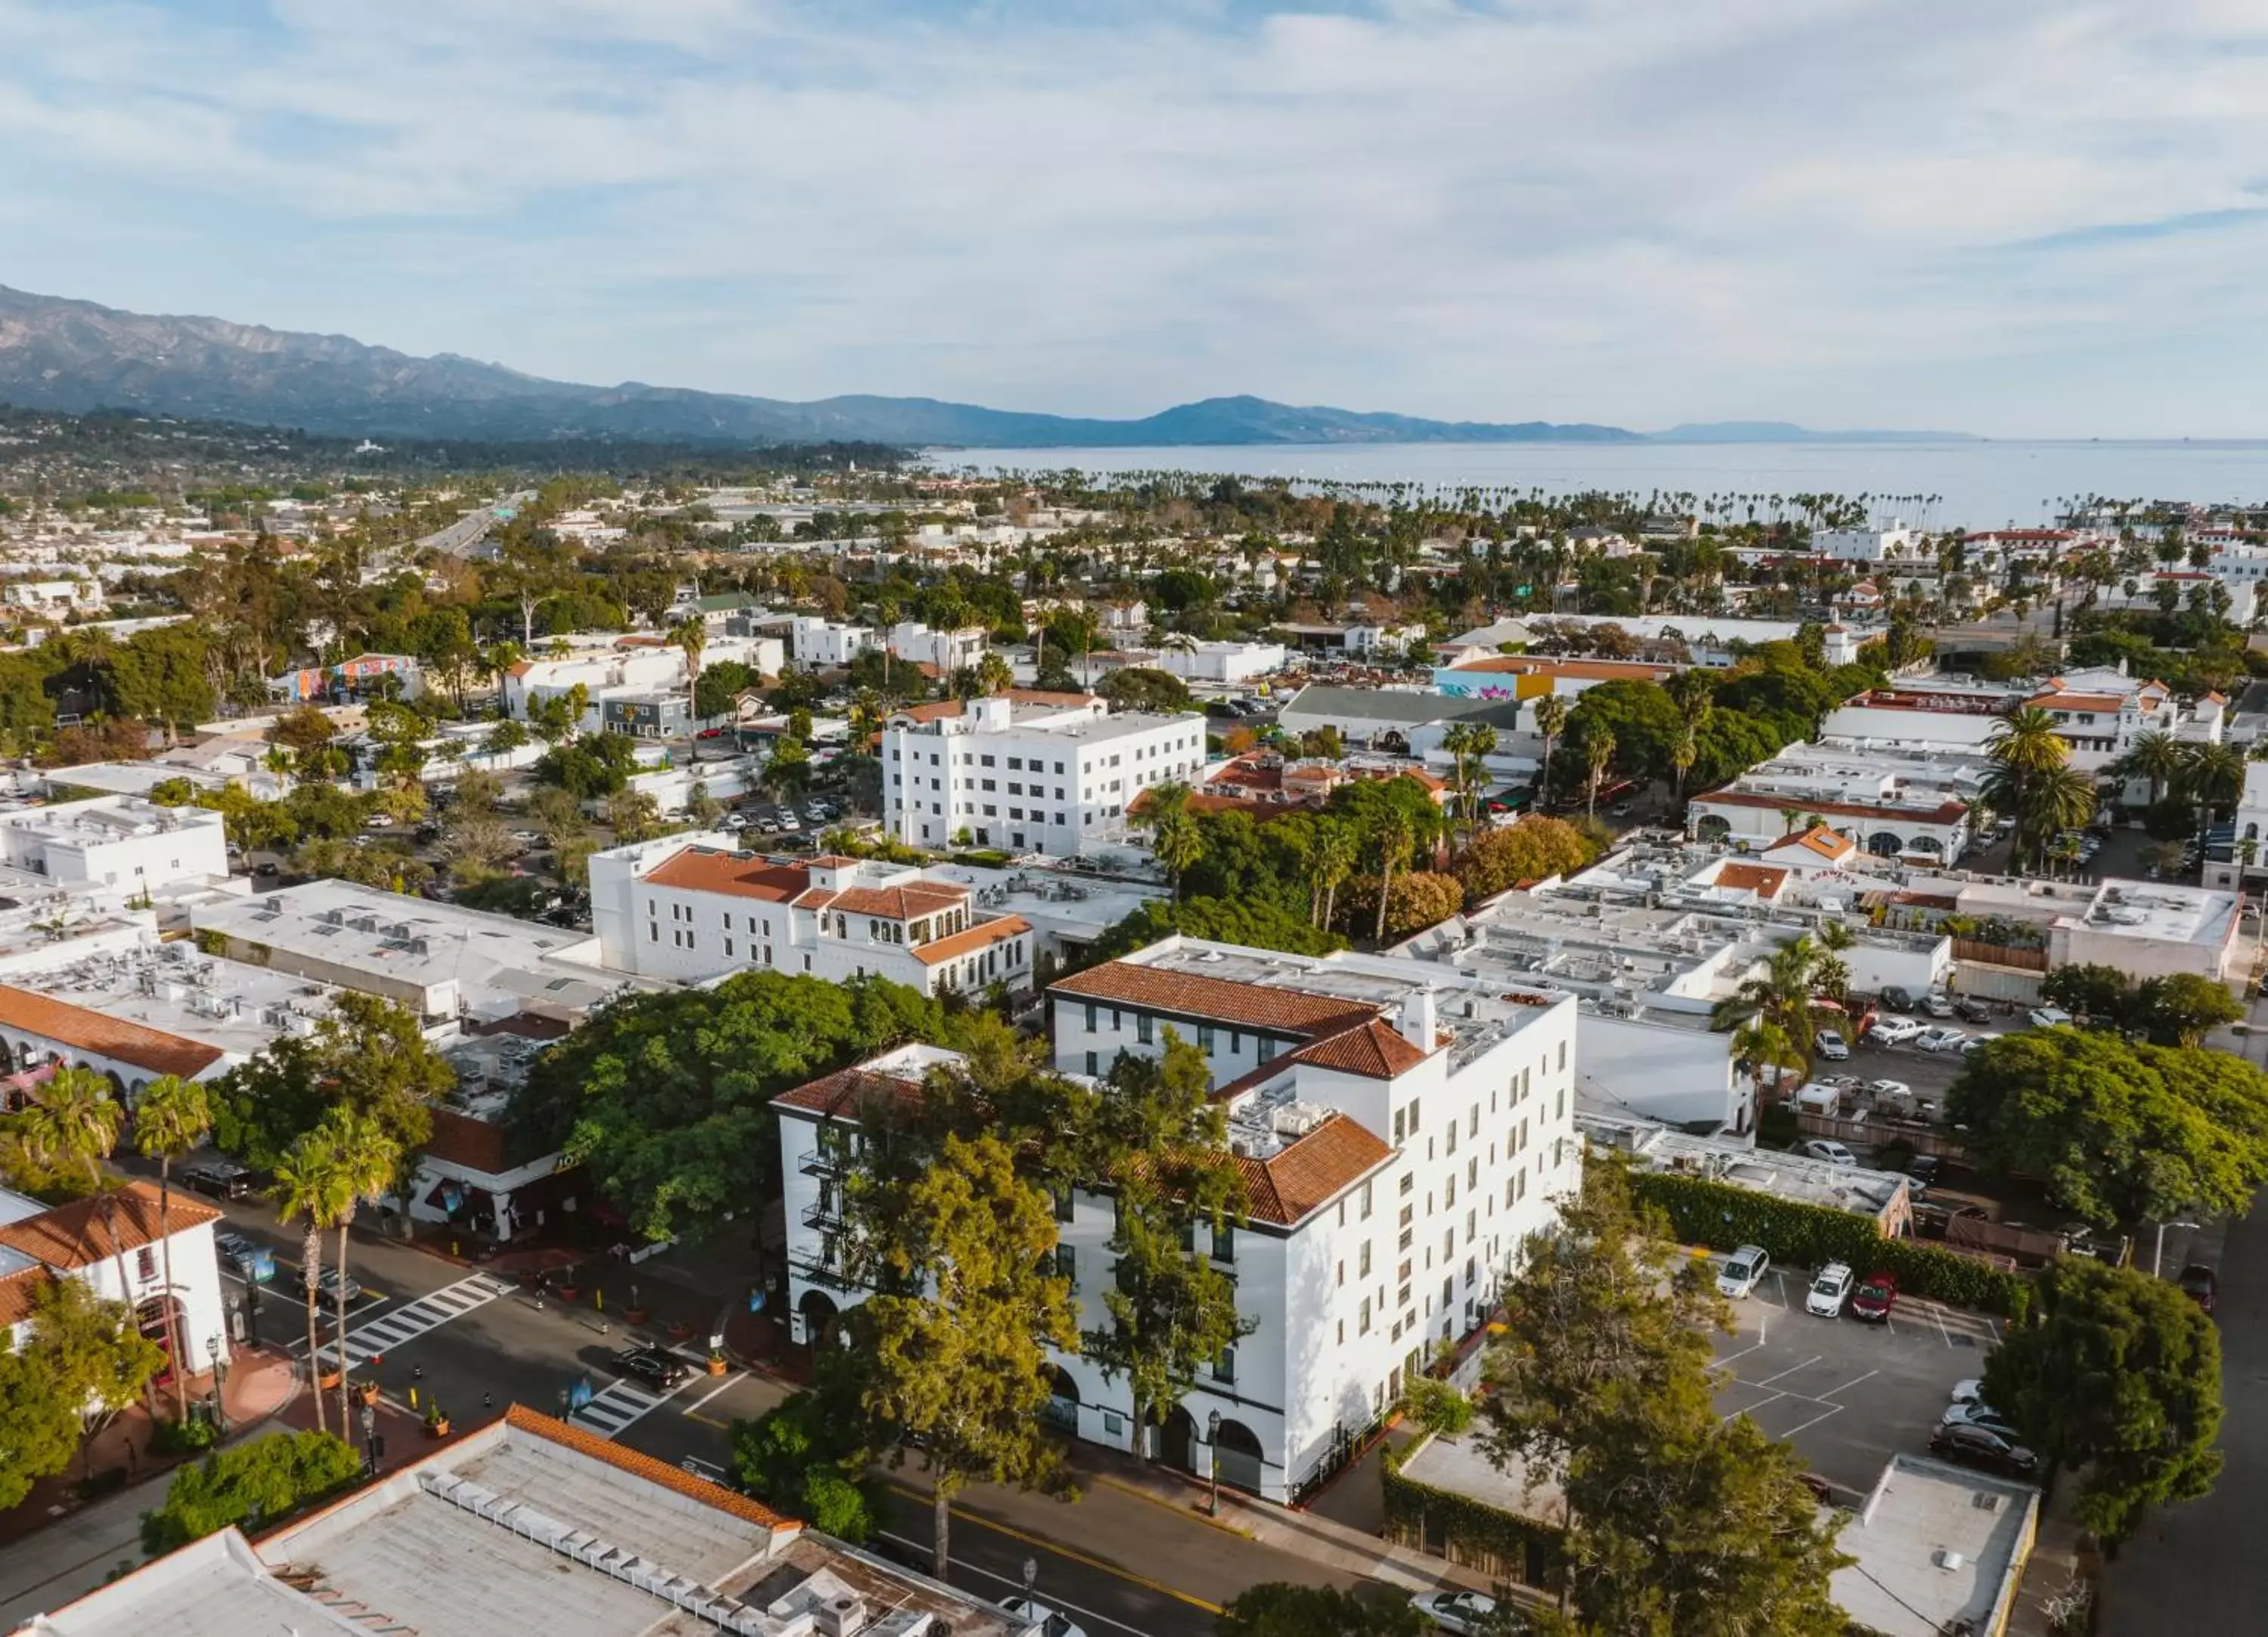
x: 1854, y: 1382
x: 412, y: 1319
x: 623, y: 1403
x: 1790, y: 1370
x: 1831, y: 1409
x: 728, y: 1380
x: 1087, y: 1616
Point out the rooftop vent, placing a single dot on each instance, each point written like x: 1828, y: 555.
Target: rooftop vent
x: 1950, y: 1560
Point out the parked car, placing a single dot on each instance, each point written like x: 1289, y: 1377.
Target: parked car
x: 223, y: 1179
x: 736, y: 821
x: 1899, y: 1000
x: 653, y: 1367
x: 1977, y: 1043
x: 1972, y: 1011
x: 1048, y: 1622
x: 1455, y: 1611
x: 1830, y: 1045
x: 2048, y: 1017
x: 378, y: 821
x: 528, y: 837
x: 769, y: 826
x: 1876, y: 1296
x: 248, y: 1258
x: 329, y: 1280
x: 1967, y: 1390
x: 1977, y: 1413
x: 1894, y: 1030
x: 1937, y: 1004
x: 712, y: 733
x: 1829, y: 1290
x: 1922, y: 1174
x: 789, y: 822
x: 1895, y: 1090
x: 1974, y: 1446
x: 1939, y: 1040
x: 1742, y: 1270
x: 1833, y: 1152
x: 2200, y: 1284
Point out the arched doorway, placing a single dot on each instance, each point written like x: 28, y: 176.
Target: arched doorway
x: 816, y: 1314
x: 1182, y: 1445
x: 1238, y: 1452
x: 1063, y: 1401
x: 1713, y: 827
x: 1883, y: 844
x: 150, y: 1317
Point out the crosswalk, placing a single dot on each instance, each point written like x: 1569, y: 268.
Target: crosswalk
x: 413, y: 1319
x: 609, y: 1412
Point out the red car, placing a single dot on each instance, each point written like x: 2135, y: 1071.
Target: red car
x: 2199, y: 1283
x: 1878, y: 1294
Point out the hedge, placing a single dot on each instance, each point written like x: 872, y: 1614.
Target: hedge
x: 1724, y: 1218
x: 1523, y: 1550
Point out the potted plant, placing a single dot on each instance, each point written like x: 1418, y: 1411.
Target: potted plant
x: 368, y: 1391
x: 634, y: 1311
x: 437, y: 1421
x: 326, y: 1378
x: 678, y: 1330
x: 569, y: 1289
x: 717, y: 1365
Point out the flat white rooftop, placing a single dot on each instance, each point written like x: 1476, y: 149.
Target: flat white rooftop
x: 1936, y: 1545
x: 1764, y: 1171
x: 235, y: 1007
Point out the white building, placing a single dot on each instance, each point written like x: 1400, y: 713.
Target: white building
x: 116, y: 841
x: 1866, y: 545
x: 1036, y: 773
x: 694, y: 909
x: 1400, y: 1129
x: 947, y: 651
x: 1221, y: 662
x: 819, y: 643
x: 52, y: 599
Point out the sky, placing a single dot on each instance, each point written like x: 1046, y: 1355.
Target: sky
x: 2014, y: 217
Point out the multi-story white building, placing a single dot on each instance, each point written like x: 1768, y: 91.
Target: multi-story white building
x: 1866, y: 545
x: 816, y: 642
x: 116, y: 841
x: 694, y: 908
x: 947, y: 651
x: 1036, y: 773
x: 1400, y: 1129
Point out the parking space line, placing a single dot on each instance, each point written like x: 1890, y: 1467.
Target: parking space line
x: 1790, y: 1434
x: 1854, y: 1382
x: 1941, y: 1330
x: 1780, y: 1285
x: 1790, y: 1370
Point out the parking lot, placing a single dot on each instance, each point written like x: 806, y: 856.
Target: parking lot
x: 1848, y: 1395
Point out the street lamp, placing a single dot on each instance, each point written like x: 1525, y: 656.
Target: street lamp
x: 1212, y: 1449
x: 220, y: 1381
x: 1031, y: 1581
x: 370, y: 1437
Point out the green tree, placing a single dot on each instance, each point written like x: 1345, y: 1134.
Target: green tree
x: 1160, y: 1137
x: 72, y: 1122
x: 310, y: 1183
x: 1598, y: 756
x: 174, y: 1116
x: 1784, y: 994
x: 795, y: 1457
x: 953, y: 1341
x: 1438, y: 1407
x: 2095, y: 993
x: 1140, y: 688
x: 1277, y: 1608
x: 366, y: 1159
x: 1174, y: 837
x: 253, y: 1486
x: 2183, y: 1007
x: 41, y: 1419
x: 2118, y: 1373
x: 1533, y: 849
x: 2123, y: 1133
x: 92, y: 1348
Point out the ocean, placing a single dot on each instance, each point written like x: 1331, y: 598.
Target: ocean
x: 1974, y: 485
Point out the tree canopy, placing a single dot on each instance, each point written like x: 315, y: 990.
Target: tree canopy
x: 252, y: 1485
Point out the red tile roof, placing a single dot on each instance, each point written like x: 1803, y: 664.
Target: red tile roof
x: 980, y: 936
x: 847, y: 1091
x: 1307, y: 1174
x: 1222, y: 999
x: 76, y: 1235
x: 1819, y: 839
x: 19, y: 1295
x: 1764, y: 880
x: 1948, y: 812
x: 1371, y: 1049
x: 901, y: 903
x: 702, y: 870
x: 519, y: 1418
x: 100, y: 1035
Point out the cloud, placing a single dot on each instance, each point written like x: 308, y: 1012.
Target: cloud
x: 1629, y: 210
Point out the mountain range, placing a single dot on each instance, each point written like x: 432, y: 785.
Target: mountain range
x: 59, y: 353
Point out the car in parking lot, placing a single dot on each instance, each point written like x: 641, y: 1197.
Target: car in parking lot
x: 1976, y: 1412
x: 1969, y: 1390
x: 1833, y: 1152
x: 736, y: 821
x: 1975, y: 1446
x: 2200, y: 1284
x: 1831, y: 1288
x: 528, y: 837
x: 1922, y: 1173
x: 250, y: 1260
x: 1937, y: 1004
x: 1457, y: 1610
x: 1830, y: 1045
x: 2048, y: 1017
x: 1972, y: 1011
x: 1742, y: 1270
x: 1939, y: 1040
x: 1894, y: 1030
x: 789, y: 822
x: 1876, y: 1296
x: 651, y: 1366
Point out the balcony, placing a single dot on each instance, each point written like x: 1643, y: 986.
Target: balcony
x: 826, y: 1216
x: 823, y: 1162
x: 819, y: 1270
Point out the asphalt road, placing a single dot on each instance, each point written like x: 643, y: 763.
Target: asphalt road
x: 1118, y: 1563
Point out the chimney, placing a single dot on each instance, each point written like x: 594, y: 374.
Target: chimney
x: 1417, y: 1020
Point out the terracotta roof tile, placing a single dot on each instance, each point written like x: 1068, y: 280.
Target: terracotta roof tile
x: 100, y: 1035
x: 1193, y: 994
x: 1371, y: 1049
x: 1948, y: 812
x: 901, y: 903
x: 704, y: 870
x: 75, y: 1235
x: 19, y: 1293
x: 974, y: 938
x: 1309, y: 1174
x: 847, y: 1090
x: 1764, y: 880
x: 519, y: 1418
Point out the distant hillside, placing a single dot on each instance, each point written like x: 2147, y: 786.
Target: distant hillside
x: 74, y: 356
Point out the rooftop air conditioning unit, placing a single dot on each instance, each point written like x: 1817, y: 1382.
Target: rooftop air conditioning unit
x: 840, y: 1615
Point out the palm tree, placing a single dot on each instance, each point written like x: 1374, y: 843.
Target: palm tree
x: 1469, y: 744
x: 2025, y: 749
x: 172, y: 1118
x: 73, y: 1121
x: 1682, y: 755
x: 1174, y: 837
x: 1332, y: 862
x: 1763, y: 1044
x: 311, y: 1182
x: 2213, y: 775
x: 1784, y: 995
x: 1598, y: 756
x: 691, y: 634
x: 1395, y: 843
x: 1550, y: 722
x: 366, y: 1160
x: 2156, y: 757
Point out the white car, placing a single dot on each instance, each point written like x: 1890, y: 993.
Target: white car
x: 788, y: 820
x: 1455, y: 1611
x: 378, y: 821
x: 736, y: 821
x: 1830, y: 1045
x: 1829, y: 1291
x: 1833, y: 1152
x: 2048, y: 1017
x: 1897, y: 1091
x: 1894, y: 1030
x: 1969, y: 1390
x: 1937, y: 1003
x: 1047, y: 1621
x: 1939, y: 1040
x: 526, y: 838
x: 1742, y: 1270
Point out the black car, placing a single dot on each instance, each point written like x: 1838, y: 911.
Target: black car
x: 1988, y: 1450
x: 220, y: 1178
x: 2201, y: 1285
x: 1922, y: 1174
x: 1972, y: 1011
x: 651, y: 1366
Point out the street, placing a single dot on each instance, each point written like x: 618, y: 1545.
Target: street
x: 1117, y: 1561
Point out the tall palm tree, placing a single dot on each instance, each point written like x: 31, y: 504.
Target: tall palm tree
x: 1682, y: 755
x: 1783, y: 994
x: 1762, y: 1045
x: 1469, y: 744
x: 691, y: 634
x: 1336, y: 854
x: 2213, y: 775
x: 1396, y: 841
x: 311, y: 1182
x: 1550, y: 722
x: 72, y: 1122
x: 366, y: 1160
x: 1598, y: 756
x: 2156, y: 757
x: 1174, y: 837
x: 172, y: 1118
x: 2025, y: 749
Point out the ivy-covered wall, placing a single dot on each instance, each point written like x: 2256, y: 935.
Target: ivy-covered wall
x: 1466, y: 1531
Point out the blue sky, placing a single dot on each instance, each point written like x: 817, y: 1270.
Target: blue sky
x: 2022, y: 217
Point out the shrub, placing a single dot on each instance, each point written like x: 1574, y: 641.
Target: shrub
x: 1499, y: 860
x: 1418, y: 899
x: 256, y: 1484
x: 1438, y: 1407
x: 191, y: 1436
x: 1724, y: 1218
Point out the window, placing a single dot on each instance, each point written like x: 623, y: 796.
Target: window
x: 1362, y: 1318
x: 1366, y: 1202
x: 1063, y: 1205
x: 1205, y: 1037
x: 1093, y: 1067
x: 1067, y: 1265
x: 1413, y: 1113
x: 1224, y: 1368
x: 1143, y: 1023
x: 1224, y: 1243
x: 145, y: 1262
x: 1265, y: 1048
x: 1090, y: 1018
x: 1362, y: 1261
x: 1400, y: 1124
